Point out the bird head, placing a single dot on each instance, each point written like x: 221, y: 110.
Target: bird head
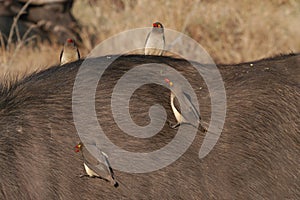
x: 70, y: 42
x: 169, y: 82
x: 157, y: 25
x: 78, y: 147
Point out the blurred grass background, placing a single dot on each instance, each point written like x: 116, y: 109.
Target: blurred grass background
x: 231, y: 31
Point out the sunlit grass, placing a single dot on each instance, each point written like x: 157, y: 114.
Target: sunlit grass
x: 231, y: 31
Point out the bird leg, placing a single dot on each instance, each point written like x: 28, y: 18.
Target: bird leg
x: 175, y: 126
x: 86, y: 175
x: 83, y: 175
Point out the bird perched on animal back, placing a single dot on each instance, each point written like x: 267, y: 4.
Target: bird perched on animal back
x: 69, y: 53
x: 155, y: 41
x: 96, y: 163
x: 191, y: 114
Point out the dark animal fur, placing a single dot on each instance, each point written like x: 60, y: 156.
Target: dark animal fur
x: 256, y: 157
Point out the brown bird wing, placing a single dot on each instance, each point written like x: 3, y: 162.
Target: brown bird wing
x: 99, y: 165
x: 147, y: 39
x: 61, y: 53
x: 78, y: 54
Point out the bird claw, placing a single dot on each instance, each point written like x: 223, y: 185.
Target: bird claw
x: 175, y: 126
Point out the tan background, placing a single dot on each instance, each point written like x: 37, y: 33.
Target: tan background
x: 231, y: 31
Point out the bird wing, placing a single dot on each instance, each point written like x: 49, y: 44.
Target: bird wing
x: 96, y: 161
x: 61, y: 54
x: 164, y: 41
x: 147, y: 39
x: 187, y: 108
x: 192, y: 106
x: 107, y: 164
x: 78, y: 54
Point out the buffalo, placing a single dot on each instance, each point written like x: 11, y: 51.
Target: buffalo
x: 256, y: 156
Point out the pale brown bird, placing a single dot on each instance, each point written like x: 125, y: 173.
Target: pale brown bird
x: 96, y: 163
x: 69, y: 53
x: 191, y: 114
x: 155, y: 41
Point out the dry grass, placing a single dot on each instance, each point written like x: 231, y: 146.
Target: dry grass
x: 231, y: 31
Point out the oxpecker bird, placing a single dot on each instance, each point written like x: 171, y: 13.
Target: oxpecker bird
x: 189, y: 114
x: 155, y: 41
x: 69, y: 53
x: 96, y: 163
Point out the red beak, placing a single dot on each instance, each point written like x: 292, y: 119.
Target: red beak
x: 70, y: 40
x: 77, y: 149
